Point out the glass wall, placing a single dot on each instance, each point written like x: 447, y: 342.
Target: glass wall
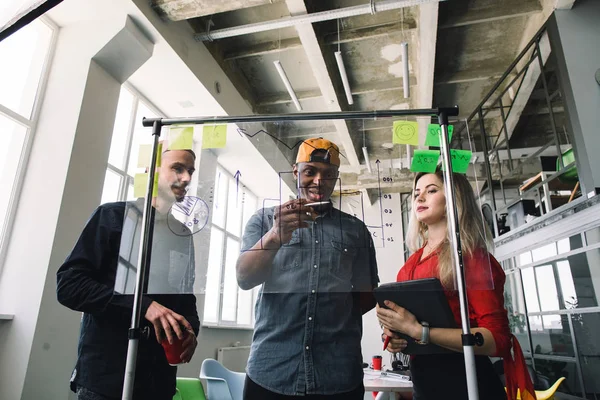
x: 551, y: 296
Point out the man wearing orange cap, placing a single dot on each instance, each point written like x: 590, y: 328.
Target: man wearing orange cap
x: 317, y: 268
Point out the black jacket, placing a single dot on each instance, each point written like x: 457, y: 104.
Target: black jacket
x: 97, y: 279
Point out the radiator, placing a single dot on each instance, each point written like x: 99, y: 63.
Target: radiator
x: 234, y: 358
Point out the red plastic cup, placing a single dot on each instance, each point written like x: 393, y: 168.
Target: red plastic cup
x: 377, y: 363
x: 173, y: 351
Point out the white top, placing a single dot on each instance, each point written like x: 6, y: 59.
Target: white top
x: 375, y: 382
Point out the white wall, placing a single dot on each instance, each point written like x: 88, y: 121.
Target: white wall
x: 59, y: 192
x: 390, y: 258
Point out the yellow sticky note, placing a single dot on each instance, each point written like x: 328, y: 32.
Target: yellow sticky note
x: 181, y: 138
x: 214, y: 136
x: 159, y: 155
x: 144, y: 155
x: 140, y: 185
x: 406, y: 132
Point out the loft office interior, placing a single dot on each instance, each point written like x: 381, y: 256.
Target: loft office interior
x: 71, y: 110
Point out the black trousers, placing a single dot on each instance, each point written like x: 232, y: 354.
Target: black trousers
x: 253, y: 391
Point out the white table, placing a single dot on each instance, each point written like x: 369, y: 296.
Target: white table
x: 385, y: 385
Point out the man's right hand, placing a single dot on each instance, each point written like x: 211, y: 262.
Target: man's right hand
x: 291, y: 216
x: 166, y: 322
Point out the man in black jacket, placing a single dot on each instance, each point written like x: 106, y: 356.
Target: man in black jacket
x: 98, y: 278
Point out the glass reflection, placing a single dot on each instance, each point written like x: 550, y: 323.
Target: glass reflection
x: 545, y: 280
x: 550, y: 335
x: 592, y: 236
x: 586, y: 327
x: 549, y: 371
x: 530, y: 289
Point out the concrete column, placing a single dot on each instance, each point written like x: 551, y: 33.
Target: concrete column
x: 574, y: 37
x: 63, y: 185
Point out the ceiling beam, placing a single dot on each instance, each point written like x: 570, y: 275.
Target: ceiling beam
x: 382, y: 86
x: 177, y: 10
x: 486, y: 20
x: 309, y: 40
x: 466, y: 77
x: 564, y: 4
x: 371, y: 32
x: 428, y: 22
x: 284, y: 97
x: 363, y: 33
x: 261, y: 49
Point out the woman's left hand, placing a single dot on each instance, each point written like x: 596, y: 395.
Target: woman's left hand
x: 399, y: 319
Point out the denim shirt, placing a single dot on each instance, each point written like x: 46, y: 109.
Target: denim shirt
x: 308, y: 319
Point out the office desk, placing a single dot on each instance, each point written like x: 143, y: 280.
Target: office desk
x: 384, y: 385
x: 549, y: 200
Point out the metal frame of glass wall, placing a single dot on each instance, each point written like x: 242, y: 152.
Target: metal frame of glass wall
x: 551, y: 294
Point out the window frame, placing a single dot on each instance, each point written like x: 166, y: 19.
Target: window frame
x: 228, y: 235
x: 126, y: 179
x: 30, y: 124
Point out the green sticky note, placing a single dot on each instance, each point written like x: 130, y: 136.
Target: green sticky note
x: 405, y: 132
x: 460, y: 160
x: 140, y: 185
x: 425, y: 160
x: 433, y: 135
x: 214, y: 136
x: 181, y: 138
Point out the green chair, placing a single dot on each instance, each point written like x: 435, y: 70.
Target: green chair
x: 177, y: 395
x: 189, y: 389
x: 571, y: 174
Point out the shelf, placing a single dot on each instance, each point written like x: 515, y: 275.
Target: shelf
x: 6, y: 317
x: 553, y: 185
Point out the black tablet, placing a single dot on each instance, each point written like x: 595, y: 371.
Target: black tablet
x: 424, y: 298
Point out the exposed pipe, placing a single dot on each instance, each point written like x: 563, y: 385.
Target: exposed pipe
x: 384, y: 5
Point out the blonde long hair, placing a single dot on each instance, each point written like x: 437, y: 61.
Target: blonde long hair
x: 474, y: 234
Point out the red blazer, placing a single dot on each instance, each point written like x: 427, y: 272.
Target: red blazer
x: 485, y: 293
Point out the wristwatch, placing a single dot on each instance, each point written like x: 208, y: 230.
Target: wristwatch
x: 424, y: 333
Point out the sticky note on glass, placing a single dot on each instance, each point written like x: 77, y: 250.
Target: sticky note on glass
x: 433, y: 135
x: 425, y: 160
x: 214, y: 136
x: 405, y: 132
x: 460, y: 160
x: 144, y: 155
x: 181, y: 138
x: 140, y: 185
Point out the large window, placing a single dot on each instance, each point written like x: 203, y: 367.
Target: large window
x: 23, y: 68
x: 552, y: 302
x: 128, y: 134
x: 226, y: 304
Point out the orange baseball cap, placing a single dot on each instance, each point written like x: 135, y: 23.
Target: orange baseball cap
x: 305, y: 152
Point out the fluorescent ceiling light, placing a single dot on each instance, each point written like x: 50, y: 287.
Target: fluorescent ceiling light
x: 405, y: 77
x: 287, y: 84
x: 340, y: 64
x: 366, y: 154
